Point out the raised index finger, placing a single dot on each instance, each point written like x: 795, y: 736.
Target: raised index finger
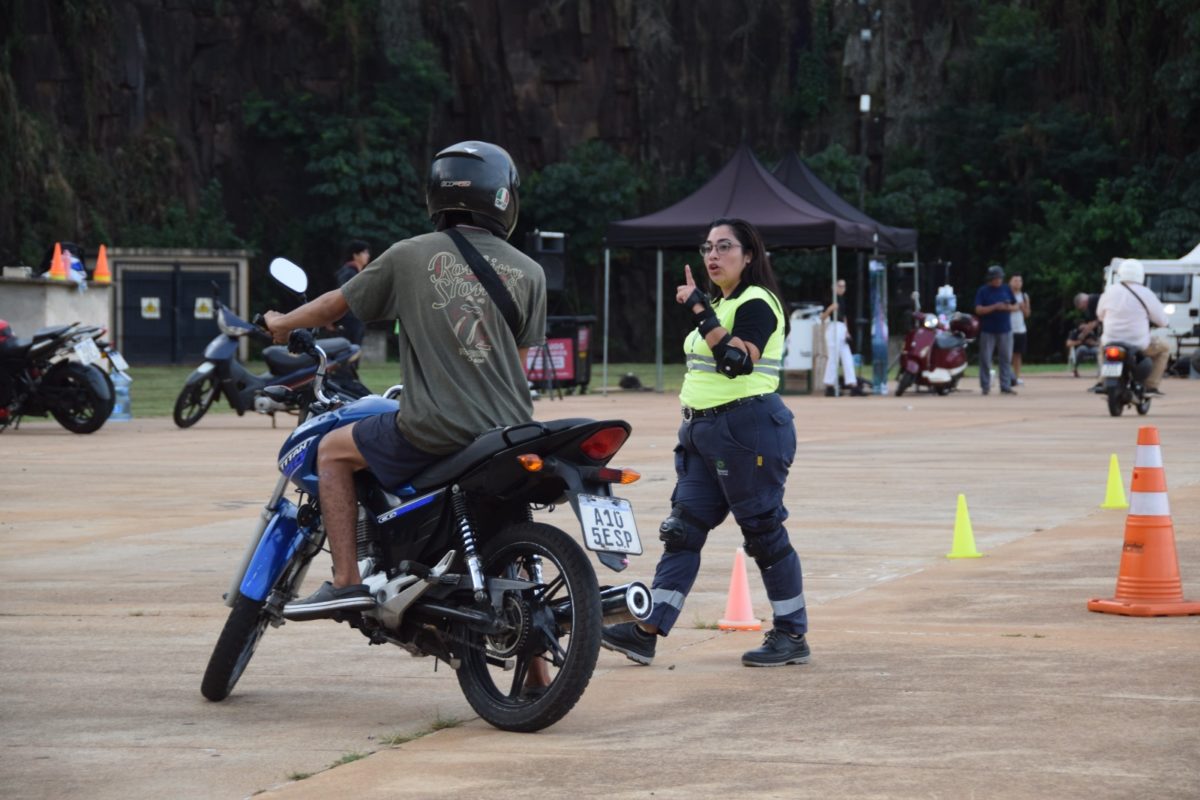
x: 687, y: 271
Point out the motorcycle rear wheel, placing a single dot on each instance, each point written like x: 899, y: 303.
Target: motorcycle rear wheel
x: 1115, y: 404
x: 82, y: 410
x: 500, y: 695
x: 194, y: 400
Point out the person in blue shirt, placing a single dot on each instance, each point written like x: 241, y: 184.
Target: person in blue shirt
x: 994, y: 304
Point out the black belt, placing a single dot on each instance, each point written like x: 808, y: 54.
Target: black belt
x: 690, y: 413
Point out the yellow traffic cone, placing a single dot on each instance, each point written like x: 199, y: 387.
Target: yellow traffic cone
x: 964, y: 539
x: 1114, y: 497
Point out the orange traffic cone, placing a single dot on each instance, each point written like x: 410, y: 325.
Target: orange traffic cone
x: 1148, y: 582
x: 102, y: 275
x: 58, y: 270
x: 739, y: 612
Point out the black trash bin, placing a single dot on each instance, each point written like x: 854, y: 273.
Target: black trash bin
x: 565, y: 362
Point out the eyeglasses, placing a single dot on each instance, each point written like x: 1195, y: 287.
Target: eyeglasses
x: 722, y: 247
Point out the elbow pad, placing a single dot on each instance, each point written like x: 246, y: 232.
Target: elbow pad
x: 732, y: 361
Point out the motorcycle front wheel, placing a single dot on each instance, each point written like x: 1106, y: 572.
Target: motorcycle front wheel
x: 79, y: 407
x: 194, y: 400
x: 905, y: 382
x: 244, y: 627
x: 495, y: 671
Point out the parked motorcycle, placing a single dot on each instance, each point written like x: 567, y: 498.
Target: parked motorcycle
x: 1124, y: 372
x: 222, y: 372
x: 460, y: 570
x: 62, y: 371
x: 935, y: 351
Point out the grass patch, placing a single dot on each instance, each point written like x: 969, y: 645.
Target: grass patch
x: 349, y: 758
x: 705, y: 625
x: 298, y: 776
x: 440, y: 723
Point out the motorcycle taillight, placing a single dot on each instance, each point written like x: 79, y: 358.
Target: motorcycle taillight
x: 604, y: 443
x: 1114, y: 354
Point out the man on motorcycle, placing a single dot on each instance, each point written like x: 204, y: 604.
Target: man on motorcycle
x: 1128, y: 309
x: 463, y: 366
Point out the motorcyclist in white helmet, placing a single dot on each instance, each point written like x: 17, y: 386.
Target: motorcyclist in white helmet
x: 1128, y: 309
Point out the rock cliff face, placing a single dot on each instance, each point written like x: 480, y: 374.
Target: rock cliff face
x: 664, y: 81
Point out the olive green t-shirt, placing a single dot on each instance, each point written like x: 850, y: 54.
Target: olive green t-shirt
x: 462, y: 372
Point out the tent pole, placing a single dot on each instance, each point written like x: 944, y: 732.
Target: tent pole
x: 658, y: 327
x: 917, y: 273
x: 607, y: 264
x: 837, y: 386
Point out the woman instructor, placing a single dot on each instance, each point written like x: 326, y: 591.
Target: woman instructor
x: 736, y: 443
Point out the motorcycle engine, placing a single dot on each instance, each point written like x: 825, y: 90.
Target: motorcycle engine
x: 265, y: 405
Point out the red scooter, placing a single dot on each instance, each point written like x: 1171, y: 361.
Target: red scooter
x: 935, y: 351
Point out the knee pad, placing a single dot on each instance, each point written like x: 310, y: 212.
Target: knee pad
x: 679, y: 532
x: 765, y: 540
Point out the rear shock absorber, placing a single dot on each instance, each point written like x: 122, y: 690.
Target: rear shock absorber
x: 458, y: 501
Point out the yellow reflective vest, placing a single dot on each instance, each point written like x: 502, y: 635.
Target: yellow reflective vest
x: 703, y: 386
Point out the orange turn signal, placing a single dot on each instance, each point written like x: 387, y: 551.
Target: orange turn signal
x: 629, y: 476
x: 532, y: 462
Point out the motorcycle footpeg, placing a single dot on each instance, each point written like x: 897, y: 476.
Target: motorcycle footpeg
x: 414, y: 568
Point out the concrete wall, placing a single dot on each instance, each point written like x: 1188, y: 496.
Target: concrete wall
x: 31, y: 303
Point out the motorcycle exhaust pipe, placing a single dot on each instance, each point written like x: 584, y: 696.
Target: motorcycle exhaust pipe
x: 628, y: 602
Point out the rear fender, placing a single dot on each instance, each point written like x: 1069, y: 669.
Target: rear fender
x: 279, y: 544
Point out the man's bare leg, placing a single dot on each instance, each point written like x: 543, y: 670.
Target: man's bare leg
x: 338, y: 459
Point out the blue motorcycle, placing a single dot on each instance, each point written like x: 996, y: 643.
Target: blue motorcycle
x: 459, y: 569
x: 222, y: 373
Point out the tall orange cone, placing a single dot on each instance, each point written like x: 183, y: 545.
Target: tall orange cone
x: 102, y: 275
x: 58, y: 270
x: 1148, y: 582
x: 739, y: 612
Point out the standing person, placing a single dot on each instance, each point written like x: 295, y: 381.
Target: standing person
x: 358, y: 255
x: 994, y: 304
x: 837, y: 346
x: 1128, y: 309
x: 1019, y: 331
x: 736, y: 443
x: 462, y: 363
x: 1086, y: 304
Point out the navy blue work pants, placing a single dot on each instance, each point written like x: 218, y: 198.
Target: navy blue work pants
x: 734, y: 462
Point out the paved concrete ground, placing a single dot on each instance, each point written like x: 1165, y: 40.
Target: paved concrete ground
x: 930, y: 677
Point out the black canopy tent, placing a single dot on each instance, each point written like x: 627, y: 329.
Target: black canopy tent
x: 793, y: 173
x: 742, y: 188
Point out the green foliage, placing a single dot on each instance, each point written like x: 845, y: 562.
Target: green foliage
x: 359, y: 151
x: 839, y: 169
x: 206, y: 227
x: 580, y: 196
x: 815, y: 79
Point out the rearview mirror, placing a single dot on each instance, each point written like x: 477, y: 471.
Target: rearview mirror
x: 290, y: 275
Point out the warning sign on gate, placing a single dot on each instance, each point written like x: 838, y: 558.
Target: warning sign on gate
x: 560, y: 360
x: 204, y: 308
x: 151, y: 308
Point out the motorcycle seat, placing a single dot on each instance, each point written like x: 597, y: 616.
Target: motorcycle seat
x: 484, y: 447
x: 14, y: 347
x: 281, y: 362
x: 49, y: 332
x: 947, y: 341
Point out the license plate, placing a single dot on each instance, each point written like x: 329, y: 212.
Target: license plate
x: 1112, y: 369
x: 608, y: 525
x: 87, y: 352
x: 118, y: 361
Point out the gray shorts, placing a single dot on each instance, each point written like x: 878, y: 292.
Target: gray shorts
x: 391, y: 458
